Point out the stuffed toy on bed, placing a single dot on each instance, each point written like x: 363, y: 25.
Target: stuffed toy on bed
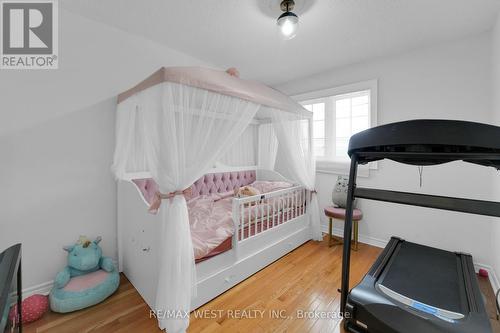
x: 88, y: 279
x: 246, y: 191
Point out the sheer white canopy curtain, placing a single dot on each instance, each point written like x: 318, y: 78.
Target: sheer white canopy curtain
x: 268, y: 146
x: 293, y: 132
x: 243, y: 152
x: 176, y: 133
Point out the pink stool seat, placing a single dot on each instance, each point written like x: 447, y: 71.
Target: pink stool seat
x: 339, y: 213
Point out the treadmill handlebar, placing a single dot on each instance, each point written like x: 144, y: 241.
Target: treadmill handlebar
x: 480, y: 207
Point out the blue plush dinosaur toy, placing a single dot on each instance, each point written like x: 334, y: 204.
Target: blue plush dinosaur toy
x: 88, y: 279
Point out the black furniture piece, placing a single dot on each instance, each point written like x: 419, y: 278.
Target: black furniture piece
x: 10, y: 288
x: 411, y: 287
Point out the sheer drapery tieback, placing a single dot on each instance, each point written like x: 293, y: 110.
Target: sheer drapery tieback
x: 313, y: 191
x: 153, y: 209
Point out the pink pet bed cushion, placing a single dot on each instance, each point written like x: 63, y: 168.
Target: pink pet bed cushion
x: 87, y: 281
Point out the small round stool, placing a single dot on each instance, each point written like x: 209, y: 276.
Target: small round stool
x: 339, y: 213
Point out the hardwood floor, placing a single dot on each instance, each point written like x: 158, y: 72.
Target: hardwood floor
x: 271, y: 300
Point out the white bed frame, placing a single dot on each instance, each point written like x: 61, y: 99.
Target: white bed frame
x: 138, y: 241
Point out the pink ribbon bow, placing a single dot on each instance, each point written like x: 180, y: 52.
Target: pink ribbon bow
x: 153, y: 209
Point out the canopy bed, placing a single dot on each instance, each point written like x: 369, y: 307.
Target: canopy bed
x: 173, y: 130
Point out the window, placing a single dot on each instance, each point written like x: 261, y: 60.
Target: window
x: 338, y: 114
x: 319, y: 142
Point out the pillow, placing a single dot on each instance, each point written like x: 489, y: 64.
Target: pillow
x: 32, y: 308
x: 224, y: 195
x: 265, y: 186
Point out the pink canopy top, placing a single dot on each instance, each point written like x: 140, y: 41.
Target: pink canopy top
x: 220, y: 82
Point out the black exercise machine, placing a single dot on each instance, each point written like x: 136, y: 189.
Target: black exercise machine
x: 411, y: 287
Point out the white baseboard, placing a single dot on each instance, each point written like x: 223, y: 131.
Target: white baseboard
x: 42, y: 289
x: 492, y: 276
x: 495, y: 284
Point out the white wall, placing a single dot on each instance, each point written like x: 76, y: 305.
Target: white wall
x: 56, y: 185
x: 495, y: 240
x: 96, y: 61
x: 57, y: 139
x: 446, y: 81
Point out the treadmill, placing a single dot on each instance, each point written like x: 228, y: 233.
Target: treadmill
x: 412, y: 287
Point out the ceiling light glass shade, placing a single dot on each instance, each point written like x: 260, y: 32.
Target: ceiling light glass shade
x: 288, y: 23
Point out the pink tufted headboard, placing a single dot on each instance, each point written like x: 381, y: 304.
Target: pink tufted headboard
x: 210, y: 183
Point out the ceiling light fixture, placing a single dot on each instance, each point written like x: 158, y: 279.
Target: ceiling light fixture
x: 288, y: 22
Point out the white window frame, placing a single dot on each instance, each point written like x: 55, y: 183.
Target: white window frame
x: 341, y: 166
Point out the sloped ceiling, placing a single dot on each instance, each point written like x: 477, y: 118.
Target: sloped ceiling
x: 332, y: 33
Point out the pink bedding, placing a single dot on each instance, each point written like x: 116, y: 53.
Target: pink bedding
x: 210, y: 217
x: 211, y: 222
x: 265, y: 186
